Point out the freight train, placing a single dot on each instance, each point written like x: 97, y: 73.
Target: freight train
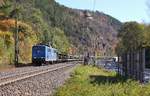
x: 44, y: 55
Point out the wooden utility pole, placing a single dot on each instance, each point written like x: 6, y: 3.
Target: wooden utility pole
x: 16, y: 35
x: 54, y: 13
x: 87, y: 16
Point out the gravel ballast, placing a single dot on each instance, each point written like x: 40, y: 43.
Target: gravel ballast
x: 41, y: 85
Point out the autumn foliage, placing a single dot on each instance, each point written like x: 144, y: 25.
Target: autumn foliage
x: 26, y: 40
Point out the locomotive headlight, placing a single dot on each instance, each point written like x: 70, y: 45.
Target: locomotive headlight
x: 34, y: 57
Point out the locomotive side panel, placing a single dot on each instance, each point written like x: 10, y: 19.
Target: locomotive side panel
x: 51, y: 54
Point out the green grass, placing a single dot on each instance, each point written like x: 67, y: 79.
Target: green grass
x: 91, y: 81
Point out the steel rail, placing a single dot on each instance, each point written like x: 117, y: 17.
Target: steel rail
x: 23, y: 73
x: 31, y: 74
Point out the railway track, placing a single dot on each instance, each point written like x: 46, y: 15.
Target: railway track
x: 6, y: 80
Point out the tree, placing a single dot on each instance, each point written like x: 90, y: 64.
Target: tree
x: 131, y: 36
x: 2, y: 3
x: 5, y: 8
x: 60, y: 41
x: 146, y: 35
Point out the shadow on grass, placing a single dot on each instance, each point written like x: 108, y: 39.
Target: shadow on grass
x: 100, y: 79
x: 24, y: 65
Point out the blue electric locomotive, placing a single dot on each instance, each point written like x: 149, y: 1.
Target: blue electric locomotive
x: 42, y: 54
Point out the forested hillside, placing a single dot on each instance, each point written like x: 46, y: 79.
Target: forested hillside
x: 43, y: 21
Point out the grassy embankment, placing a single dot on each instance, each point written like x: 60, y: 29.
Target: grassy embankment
x: 91, y: 81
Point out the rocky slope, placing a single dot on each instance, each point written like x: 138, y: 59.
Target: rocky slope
x: 46, y: 21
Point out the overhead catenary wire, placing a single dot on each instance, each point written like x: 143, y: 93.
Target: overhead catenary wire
x: 94, y: 5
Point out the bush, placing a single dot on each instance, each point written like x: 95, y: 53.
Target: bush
x: 91, y: 81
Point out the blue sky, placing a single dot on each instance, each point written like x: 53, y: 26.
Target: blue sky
x: 123, y: 10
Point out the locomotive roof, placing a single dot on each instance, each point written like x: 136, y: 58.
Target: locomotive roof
x: 45, y: 46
